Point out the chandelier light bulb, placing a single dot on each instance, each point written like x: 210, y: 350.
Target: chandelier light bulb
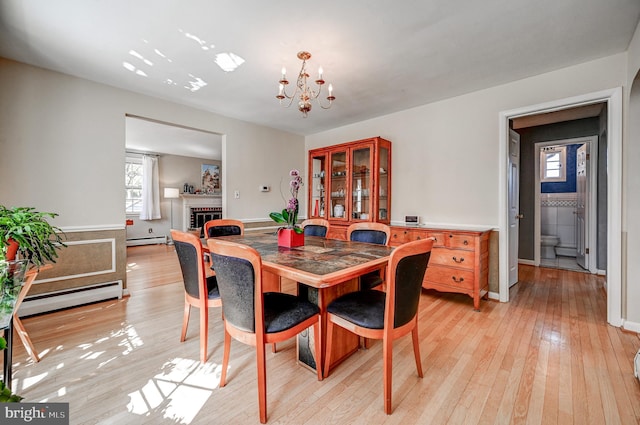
x: 303, y: 92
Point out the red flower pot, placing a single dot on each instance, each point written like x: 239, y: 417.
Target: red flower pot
x: 289, y: 238
x: 12, y: 250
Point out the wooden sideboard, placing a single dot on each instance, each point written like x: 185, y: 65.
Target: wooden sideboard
x: 459, y: 259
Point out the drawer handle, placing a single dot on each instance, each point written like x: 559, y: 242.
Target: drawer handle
x: 466, y: 242
x: 457, y: 280
x: 458, y: 261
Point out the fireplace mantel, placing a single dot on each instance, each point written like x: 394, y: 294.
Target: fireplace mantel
x: 197, y: 201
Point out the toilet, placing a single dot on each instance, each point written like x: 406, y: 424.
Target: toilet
x: 548, y: 245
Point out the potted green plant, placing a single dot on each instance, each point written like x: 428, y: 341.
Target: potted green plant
x: 27, y: 235
x: 290, y: 235
x: 26, y: 230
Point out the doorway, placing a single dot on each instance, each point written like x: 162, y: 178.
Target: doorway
x: 566, y: 206
x: 613, y: 155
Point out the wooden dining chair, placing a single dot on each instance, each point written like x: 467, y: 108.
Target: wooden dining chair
x: 200, y: 290
x: 385, y: 315
x: 378, y: 233
x: 315, y: 227
x: 254, y: 317
x: 223, y: 227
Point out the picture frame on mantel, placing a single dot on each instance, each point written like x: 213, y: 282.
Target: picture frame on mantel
x: 211, y: 178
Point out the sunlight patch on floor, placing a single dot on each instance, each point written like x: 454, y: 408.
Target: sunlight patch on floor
x: 180, y: 390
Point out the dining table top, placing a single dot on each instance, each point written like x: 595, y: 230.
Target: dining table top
x: 320, y: 262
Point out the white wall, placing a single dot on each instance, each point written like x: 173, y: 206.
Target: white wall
x: 62, y: 144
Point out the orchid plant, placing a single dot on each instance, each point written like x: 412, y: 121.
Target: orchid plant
x: 289, y: 215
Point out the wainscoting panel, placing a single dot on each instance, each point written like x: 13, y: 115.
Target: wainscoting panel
x: 93, y: 257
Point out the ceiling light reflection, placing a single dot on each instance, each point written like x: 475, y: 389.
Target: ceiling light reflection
x: 228, y: 62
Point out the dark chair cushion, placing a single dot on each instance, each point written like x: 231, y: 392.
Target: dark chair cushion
x: 188, y: 258
x: 283, y: 311
x: 237, y: 287
x: 315, y: 230
x: 218, y: 231
x: 364, y: 308
x: 369, y: 236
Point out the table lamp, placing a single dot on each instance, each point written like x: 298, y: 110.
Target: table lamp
x: 171, y: 193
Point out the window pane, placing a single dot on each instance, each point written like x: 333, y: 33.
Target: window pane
x: 553, y: 156
x: 553, y: 173
x: 553, y: 165
x: 133, y: 187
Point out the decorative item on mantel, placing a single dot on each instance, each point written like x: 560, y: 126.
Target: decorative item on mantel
x: 290, y: 235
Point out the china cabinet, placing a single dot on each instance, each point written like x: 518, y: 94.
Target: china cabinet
x: 350, y: 182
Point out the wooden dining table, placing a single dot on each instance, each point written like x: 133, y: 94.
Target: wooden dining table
x: 324, y: 269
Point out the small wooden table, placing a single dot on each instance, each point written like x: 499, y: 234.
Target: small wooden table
x: 324, y: 269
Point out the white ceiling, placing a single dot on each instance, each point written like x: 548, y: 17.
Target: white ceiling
x: 381, y: 56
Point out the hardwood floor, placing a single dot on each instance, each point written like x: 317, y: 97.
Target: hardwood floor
x: 547, y: 356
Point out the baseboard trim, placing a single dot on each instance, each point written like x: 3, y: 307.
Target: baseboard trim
x: 43, y: 303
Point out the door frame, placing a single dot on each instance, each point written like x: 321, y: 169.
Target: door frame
x: 592, y: 141
x: 613, y: 98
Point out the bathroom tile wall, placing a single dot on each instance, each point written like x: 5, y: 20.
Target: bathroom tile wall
x: 558, y: 217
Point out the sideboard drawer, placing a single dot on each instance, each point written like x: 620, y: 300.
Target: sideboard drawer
x: 452, y: 258
x: 398, y: 237
x: 461, y: 241
x: 449, y: 277
x: 438, y: 238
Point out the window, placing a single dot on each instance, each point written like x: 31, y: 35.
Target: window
x: 553, y: 164
x: 133, y: 185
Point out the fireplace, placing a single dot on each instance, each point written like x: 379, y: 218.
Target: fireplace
x: 200, y: 215
x: 198, y: 209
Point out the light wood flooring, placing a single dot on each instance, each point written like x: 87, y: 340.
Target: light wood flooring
x: 546, y: 357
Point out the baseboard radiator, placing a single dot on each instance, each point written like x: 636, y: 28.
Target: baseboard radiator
x: 52, y: 301
x: 147, y: 241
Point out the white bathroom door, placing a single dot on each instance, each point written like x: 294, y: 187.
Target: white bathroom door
x: 514, y: 204
x: 582, y: 206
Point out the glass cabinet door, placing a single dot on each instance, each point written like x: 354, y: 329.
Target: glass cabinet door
x: 338, y: 185
x: 361, y: 183
x: 317, y: 167
x: 383, y: 185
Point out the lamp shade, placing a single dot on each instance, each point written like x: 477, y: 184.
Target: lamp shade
x: 171, y: 192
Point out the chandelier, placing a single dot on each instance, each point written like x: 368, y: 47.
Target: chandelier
x: 303, y: 92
